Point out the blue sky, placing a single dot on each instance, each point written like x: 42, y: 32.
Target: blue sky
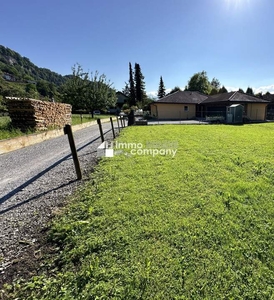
x: 231, y: 40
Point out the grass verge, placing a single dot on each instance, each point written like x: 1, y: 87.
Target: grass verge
x: 79, y: 119
x: 7, y: 131
x: 195, y: 226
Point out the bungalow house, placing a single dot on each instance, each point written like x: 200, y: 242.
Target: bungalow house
x: 121, y: 99
x: 177, y: 106
x: 183, y: 105
x: 254, y: 107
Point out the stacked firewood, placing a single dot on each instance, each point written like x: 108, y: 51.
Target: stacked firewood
x: 38, y: 115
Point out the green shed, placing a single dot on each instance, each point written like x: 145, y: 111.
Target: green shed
x: 234, y: 114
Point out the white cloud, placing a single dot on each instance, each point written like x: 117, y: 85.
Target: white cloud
x: 152, y: 94
x: 231, y: 88
x: 264, y: 89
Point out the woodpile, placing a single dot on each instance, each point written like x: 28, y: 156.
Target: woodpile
x: 38, y: 115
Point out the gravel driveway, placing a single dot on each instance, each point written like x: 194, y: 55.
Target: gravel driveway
x: 34, y: 182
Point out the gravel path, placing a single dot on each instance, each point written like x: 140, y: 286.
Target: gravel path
x: 34, y: 182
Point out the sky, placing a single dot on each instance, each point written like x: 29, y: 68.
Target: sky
x: 232, y: 40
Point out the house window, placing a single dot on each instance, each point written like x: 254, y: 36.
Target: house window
x: 186, y: 108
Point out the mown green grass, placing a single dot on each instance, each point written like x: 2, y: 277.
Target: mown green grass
x: 196, y: 226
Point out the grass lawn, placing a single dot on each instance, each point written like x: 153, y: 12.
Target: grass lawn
x: 195, y: 226
x: 6, y: 131
x: 77, y: 119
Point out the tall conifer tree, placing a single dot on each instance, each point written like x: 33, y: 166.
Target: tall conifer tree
x: 161, y: 90
x: 132, y: 95
x: 139, y: 84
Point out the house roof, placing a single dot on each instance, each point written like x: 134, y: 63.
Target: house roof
x: 189, y: 97
x: 185, y: 97
x: 120, y: 93
x: 234, y: 97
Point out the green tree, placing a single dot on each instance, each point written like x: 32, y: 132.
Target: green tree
x: 161, y: 90
x: 249, y: 91
x: 88, y: 91
x: 222, y: 90
x: 43, y: 88
x: 241, y: 90
x: 132, y: 95
x: 126, y: 90
x: 175, y: 89
x: 100, y: 92
x: 199, y: 82
x: 215, y: 83
x: 147, y: 103
x: 139, y: 85
x: 27, y: 77
x: 214, y: 91
x: 3, y: 105
x: 31, y: 90
x: 75, y: 89
x: 259, y: 95
x: 52, y: 90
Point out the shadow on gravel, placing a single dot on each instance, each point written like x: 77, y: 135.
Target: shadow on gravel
x: 31, y: 180
x: 36, y: 197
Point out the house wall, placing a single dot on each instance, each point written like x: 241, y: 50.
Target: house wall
x: 256, y: 111
x: 121, y: 99
x: 173, y: 111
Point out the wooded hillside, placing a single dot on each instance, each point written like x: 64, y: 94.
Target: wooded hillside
x: 19, y: 77
x: 22, y: 69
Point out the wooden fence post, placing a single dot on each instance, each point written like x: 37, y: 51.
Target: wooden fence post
x: 118, y: 123
x: 101, y: 130
x: 121, y: 122
x: 68, y: 131
x: 112, y: 127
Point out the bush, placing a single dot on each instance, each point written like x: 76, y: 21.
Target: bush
x: 125, y: 106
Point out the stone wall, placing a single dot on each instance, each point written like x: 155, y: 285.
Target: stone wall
x: 37, y: 114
